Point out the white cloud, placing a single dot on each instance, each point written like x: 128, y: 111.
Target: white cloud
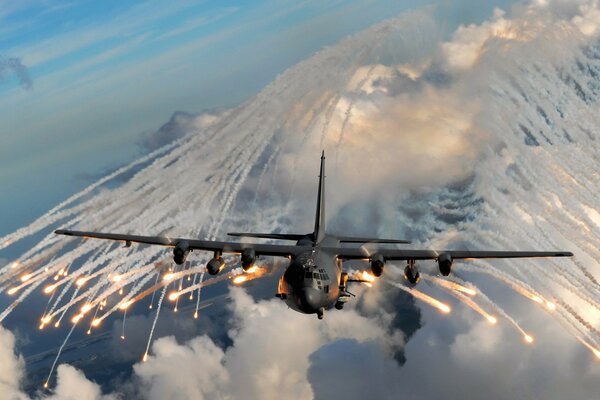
x: 12, y: 367
x: 588, y: 21
x: 270, y: 355
x: 73, y: 385
x: 468, y: 42
x: 191, y: 371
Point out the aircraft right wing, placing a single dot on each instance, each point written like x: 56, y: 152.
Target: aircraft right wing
x: 356, y: 253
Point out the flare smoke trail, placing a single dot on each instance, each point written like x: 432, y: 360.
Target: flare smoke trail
x: 501, y: 152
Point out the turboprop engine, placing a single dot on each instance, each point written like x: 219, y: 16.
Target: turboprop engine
x: 248, y: 258
x: 377, y: 264
x: 180, y: 252
x: 215, y: 265
x: 445, y: 264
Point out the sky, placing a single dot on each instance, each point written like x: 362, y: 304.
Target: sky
x: 492, y: 109
x: 93, y: 78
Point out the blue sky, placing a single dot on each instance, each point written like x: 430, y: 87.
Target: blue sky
x: 106, y: 73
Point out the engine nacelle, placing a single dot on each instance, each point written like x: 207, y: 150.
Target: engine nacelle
x: 445, y: 264
x: 180, y: 252
x: 377, y: 264
x: 248, y: 258
x: 411, y: 273
x: 215, y: 265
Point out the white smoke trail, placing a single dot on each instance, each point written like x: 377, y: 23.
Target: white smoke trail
x: 62, y: 346
x: 160, y: 300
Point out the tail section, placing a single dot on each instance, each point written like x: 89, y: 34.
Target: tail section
x: 319, y: 232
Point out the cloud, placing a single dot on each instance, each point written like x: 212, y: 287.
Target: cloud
x: 193, y: 370
x: 15, y: 66
x: 588, y: 21
x: 12, y: 367
x: 527, y: 23
x: 180, y: 124
x: 270, y: 354
x: 468, y: 42
x: 463, y: 357
x: 73, y: 385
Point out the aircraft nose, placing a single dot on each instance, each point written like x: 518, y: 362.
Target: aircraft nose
x: 311, y: 299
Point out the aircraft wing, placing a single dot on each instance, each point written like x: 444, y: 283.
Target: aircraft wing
x: 193, y: 244
x: 408, y: 254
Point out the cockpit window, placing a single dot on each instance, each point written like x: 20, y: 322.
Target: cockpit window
x: 315, y: 275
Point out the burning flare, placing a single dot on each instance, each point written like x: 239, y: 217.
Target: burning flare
x: 425, y: 298
x: 366, y: 276
x: 240, y: 279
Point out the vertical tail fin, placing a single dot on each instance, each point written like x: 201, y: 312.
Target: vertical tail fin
x: 320, y: 214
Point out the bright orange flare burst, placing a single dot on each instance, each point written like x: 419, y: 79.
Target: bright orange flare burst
x: 428, y: 299
x: 96, y: 322
x: 251, y: 270
x: 239, y: 279
x: 81, y: 281
x: 26, y: 277
x: 550, y: 306
x: 173, y: 296
x: 125, y: 305
x: 493, y: 320
x: 145, y: 358
x: 596, y: 353
x: 13, y: 290
x: 168, y: 276
x: 49, y: 289
x: 537, y: 299
x: 528, y: 338
x: 86, y: 308
x: 366, y: 276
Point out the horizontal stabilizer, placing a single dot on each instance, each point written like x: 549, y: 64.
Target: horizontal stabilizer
x: 281, y: 236
x: 347, y: 239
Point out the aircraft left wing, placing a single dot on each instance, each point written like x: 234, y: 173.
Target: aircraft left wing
x: 356, y: 253
x: 193, y: 244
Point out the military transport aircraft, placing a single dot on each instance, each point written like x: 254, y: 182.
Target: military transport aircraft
x: 314, y: 281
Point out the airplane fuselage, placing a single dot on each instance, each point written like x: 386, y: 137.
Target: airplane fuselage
x: 311, y: 283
